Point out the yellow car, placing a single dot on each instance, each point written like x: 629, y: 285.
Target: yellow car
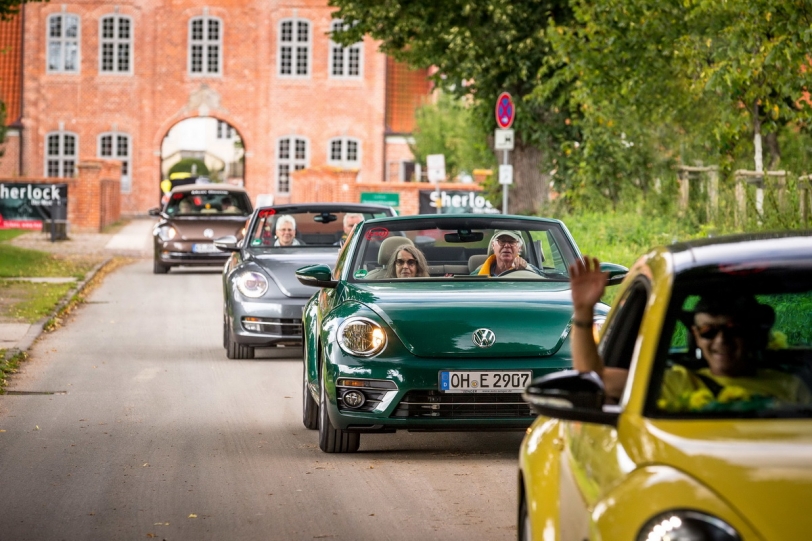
x: 724, y: 462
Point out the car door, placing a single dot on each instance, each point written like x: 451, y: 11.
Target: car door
x: 592, y: 459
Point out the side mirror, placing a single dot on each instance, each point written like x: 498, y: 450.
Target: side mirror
x: 616, y: 273
x: 316, y: 276
x: 154, y: 212
x: 570, y: 395
x: 227, y: 244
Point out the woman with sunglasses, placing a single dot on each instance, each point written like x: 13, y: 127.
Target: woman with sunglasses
x: 407, y: 262
x: 730, y: 333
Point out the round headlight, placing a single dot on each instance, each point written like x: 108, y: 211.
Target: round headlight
x: 252, y: 284
x: 361, y: 337
x: 688, y: 525
x: 167, y: 232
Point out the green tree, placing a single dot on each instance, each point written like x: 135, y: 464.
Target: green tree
x: 480, y: 48
x: 9, y: 8
x: 449, y: 128
x: 186, y: 165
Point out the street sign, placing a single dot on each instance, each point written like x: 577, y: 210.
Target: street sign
x: 436, y: 167
x: 503, y: 139
x: 381, y: 198
x: 505, y: 111
x: 506, y: 174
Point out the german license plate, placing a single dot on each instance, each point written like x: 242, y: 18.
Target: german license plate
x: 204, y: 248
x: 453, y: 381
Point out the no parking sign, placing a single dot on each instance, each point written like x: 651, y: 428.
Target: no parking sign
x: 505, y: 110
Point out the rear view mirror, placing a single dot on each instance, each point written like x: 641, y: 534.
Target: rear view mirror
x: 316, y: 276
x: 571, y: 395
x: 227, y: 244
x: 616, y: 273
x: 154, y: 212
x: 325, y: 218
x: 464, y: 235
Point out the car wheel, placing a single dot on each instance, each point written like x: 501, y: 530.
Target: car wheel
x: 159, y: 268
x: 310, y: 409
x: 332, y: 439
x: 235, y: 350
x: 525, y: 530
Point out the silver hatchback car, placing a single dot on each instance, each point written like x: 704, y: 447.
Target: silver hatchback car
x: 262, y: 299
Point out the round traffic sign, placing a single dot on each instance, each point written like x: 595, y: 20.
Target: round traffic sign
x: 505, y: 111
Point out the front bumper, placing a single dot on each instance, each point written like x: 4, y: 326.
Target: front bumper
x: 182, y: 253
x: 407, y: 394
x: 266, y: 324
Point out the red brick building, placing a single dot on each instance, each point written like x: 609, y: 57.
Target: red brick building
x: 103, y: 80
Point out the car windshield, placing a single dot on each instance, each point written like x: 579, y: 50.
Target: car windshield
x: 208, y: 202
x: 737, y: 343
x: 278, y: 228
x: 469, y: 248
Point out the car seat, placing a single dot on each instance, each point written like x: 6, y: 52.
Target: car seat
x: 476, y: 261
x: 388, y: 247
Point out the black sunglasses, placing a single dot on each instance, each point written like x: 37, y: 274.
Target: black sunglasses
x: 709, y: 332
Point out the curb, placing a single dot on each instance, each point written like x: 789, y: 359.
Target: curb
x: 35, y: 330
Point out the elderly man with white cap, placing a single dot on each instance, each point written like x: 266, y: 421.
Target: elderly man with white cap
x: 506, y: 246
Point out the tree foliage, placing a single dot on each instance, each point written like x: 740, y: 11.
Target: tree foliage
x: 9, y: 8
x: 186, y: 165
x: 479, y: 48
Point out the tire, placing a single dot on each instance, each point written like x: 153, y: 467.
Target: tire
x: 525, y: 531
x: 159, y: 268
x: 332, y: 439
x: 235, y: 350
x: 310, y: 409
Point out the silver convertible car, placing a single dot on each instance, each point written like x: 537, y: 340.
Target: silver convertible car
x: 262, y: 299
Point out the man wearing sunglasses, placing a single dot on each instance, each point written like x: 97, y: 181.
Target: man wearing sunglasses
x: 730, y: 334
x: 506, y: 246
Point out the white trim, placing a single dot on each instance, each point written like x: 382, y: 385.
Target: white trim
x: 126, y: 181
x: 345, y: 55
x: 291, y: 160
x: 295, y: 45
x: 116, y: 41
x: 343, y: 162
x: 205, y: 43
x: 63, y: 42
x: 399, y: 139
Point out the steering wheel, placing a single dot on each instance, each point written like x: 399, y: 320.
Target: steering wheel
x: 519, y: 273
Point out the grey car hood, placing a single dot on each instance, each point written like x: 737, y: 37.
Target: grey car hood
x: 281, y: 267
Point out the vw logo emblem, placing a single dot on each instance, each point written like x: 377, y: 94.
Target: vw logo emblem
x: 208, y: 233
x: 483, y: 338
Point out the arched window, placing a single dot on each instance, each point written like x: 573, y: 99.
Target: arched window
x: 345, y: 62
x: 205, y: 46
x: 294, y: 48
x: 116, y: 146
x: 61, y: 150
x: 115, y: 44
x: 344, y: 152
x: 291, y: 155
x: 63, y: 43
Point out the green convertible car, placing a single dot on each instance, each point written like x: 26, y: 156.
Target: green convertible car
x: 436, y: 323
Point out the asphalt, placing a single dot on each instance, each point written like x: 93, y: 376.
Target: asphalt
x: 132, y: 240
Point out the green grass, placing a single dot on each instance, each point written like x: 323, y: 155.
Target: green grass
x: 8, y: 234
x: 19, y: 262
x: 30, y: 301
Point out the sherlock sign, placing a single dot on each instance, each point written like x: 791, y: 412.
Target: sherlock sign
x: 455, y: 202
x: 26, y: 206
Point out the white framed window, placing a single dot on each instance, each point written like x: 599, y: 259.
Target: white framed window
x: 115, y: 44
x: 291, y: 155
x: 224, y: 130
x: 344, y: 152
x: 61, y: 150
x: 294, y: 48
x: 205, y: 46
x: 116, y: 146
x: 345, y: 62
x: 63, y: 43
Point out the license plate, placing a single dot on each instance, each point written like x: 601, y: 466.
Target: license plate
x: 452, y: 381
x: 204, y: 248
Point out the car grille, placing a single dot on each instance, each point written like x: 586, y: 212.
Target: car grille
x: 276, y: 326
x: 437, y: 405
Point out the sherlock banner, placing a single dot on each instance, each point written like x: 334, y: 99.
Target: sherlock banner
x: 454, y: 202
x: 26, y: 206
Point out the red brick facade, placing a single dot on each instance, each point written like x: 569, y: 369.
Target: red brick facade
x: 160, y: 90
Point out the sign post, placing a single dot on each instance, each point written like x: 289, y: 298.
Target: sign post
x: 504, y: 139
x: 436, y: 172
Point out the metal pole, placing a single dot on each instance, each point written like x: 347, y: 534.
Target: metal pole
x: 504, y: 186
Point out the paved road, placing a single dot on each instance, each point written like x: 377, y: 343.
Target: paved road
x: 153, y: 433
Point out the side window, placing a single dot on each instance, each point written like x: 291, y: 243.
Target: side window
x: 63, y: 43
x: 294, y: 48
x: 344, y: 152
x: 291, y: 156
x: 61, y: 150
x: 345, y: 62
x: 116, y: 146
x: 617, y: 345
x: 115, y: 44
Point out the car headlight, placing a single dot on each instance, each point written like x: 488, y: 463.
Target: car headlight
x: 167, y: 232
x: 361, y: 337
x: 252, y: 284
x: 684, y: 525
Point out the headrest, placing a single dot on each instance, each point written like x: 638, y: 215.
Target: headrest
x: 475, y: 261
x: 388, y: 247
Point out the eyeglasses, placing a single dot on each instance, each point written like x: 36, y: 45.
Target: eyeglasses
x: 510, y: 240
x: 409, y: 262
x: 709, y: 332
